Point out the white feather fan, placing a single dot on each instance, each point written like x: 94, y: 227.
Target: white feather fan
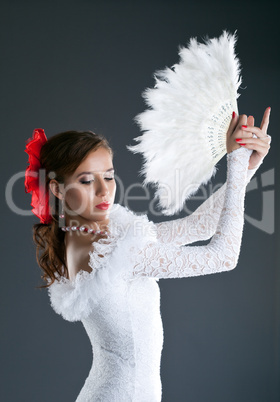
x: 190, y: 109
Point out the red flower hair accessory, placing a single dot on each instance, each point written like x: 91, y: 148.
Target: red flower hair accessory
x: 40, y: 197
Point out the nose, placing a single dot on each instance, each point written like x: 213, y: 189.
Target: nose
x: 101, y: 188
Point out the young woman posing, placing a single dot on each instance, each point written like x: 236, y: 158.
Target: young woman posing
x: 107, y: 279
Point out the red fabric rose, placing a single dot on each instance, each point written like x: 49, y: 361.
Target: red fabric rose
x: 40, y: 197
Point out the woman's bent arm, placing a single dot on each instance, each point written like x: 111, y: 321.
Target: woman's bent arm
x: 201, y: 224
x: 160, y: 260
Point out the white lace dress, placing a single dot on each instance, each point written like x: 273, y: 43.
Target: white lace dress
x: 118, y: 302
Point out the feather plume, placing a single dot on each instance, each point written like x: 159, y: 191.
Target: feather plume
x: 188, y: 115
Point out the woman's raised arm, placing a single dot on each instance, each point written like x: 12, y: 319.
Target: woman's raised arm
x: 221, y: 254
x: 201, y: 224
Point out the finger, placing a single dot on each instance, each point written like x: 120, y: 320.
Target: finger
x: 265, y: 120
x: 253, y: 143
x: 255, y: 130
x: 242, y: 120
x: 250, y: 121
x: 261, y: 150
x: 233, y: 124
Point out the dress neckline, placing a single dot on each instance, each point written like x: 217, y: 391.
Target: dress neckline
x: 123, y: 227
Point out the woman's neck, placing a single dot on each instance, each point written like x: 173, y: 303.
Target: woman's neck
x: 83, y: 237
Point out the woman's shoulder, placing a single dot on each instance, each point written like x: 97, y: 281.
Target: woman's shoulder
x: 77, y: 254
x: 74, y: 299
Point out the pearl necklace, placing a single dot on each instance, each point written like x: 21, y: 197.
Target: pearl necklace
x: 82, y: 229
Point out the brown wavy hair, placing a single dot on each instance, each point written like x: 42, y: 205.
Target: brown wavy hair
x: 60, y: 156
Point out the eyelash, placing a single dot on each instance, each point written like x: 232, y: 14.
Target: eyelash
x: 89, y: 181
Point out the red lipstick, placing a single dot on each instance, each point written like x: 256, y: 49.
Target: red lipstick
x: 103, y: 205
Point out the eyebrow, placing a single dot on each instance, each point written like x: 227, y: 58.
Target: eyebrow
x: 80, y: 174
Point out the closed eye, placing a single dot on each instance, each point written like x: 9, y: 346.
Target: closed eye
x: 89, y: 181
x: 86, y: 182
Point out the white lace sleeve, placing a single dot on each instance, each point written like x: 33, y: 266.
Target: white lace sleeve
x: 160, y: 260
x: 202, y: 223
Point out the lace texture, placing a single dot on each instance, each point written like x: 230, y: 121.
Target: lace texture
x: 202, y: 223
x: 118, y: 302
x: 169, y: 260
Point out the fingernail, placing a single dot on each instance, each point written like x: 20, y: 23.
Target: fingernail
x: 241, y: 144
x: 238, y: 139
x: 244, y: 126
x: 233, y: 115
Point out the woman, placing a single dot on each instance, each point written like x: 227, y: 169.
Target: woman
x: 108, y: 280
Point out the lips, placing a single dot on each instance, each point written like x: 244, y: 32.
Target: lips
x: 103, y: 205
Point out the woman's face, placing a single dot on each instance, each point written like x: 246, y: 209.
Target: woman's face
x: 91, y: 184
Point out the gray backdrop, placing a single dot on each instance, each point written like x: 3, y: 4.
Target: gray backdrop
x: 83, y: 65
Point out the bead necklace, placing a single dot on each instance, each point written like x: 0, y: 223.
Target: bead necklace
x: 82, y: 229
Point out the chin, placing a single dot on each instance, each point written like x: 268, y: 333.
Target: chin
x: 102, y: 214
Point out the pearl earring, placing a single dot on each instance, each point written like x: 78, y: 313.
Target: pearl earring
x: 62, y: 212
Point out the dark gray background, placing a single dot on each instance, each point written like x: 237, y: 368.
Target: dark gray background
x: 83, y: 65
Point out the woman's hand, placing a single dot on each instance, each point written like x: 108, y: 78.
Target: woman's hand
x: 241, y: 131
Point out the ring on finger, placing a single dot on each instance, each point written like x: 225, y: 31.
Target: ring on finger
x: 263, y: 138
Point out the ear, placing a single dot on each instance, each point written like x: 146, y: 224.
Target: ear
x: 54, y: 187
